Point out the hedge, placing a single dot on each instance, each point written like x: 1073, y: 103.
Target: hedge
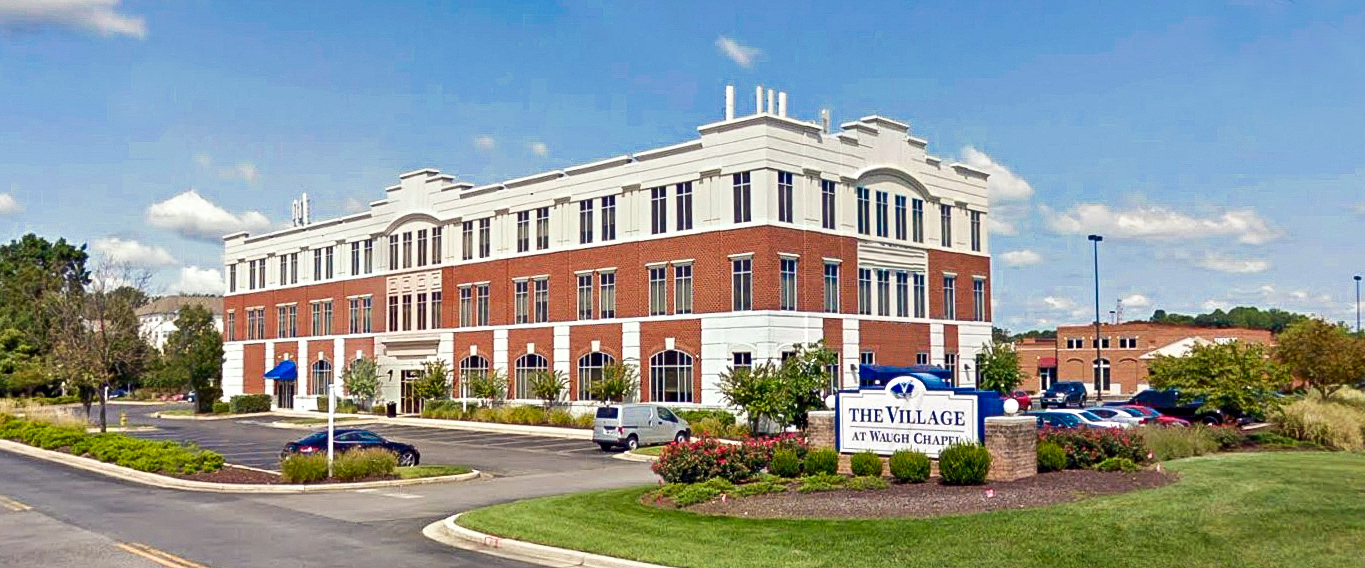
x: 249, y: 403
x: 142, y: 455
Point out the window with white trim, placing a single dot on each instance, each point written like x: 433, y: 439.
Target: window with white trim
x: 542, y: 299
x: 784, y: 197
x: 900, y: 218
x: 527, y: 366
x: 467, y: 240
x: 883, y: 228
x: 902, y: 294
x: 670, y: 376
x: 976, y: 231
x: 591, y: 369
x: 832, y: 287
x: 827, y: 204
x: 609, y: 218
x: 523, y: 231
x: 481, y: 304
x: 543, y: 228
x: 658, y: 210
x: 787, y: 291
x: 917, y: 220
x: 585, y: 221
x: 865, y: 291
x: 979, y: 299
x: 658, y: 291
x: 945, y: 219
x: 485, y: 237
x: 683, y: 193
x: 521, y: 297
x: 921, y: 294
x: 864, y: 210
x: 422, y: 247
x: 743, y: 197
x: 682, y: 288
x: 585, y: 296
x: 742, y: 284
x: 949, y: 297
x: 883, y: 292
x: 606, y: 297
x: 466, y: 306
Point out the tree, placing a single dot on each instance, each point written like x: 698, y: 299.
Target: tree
x: 1322, y: 355
x: 784, y: 393
x: 361, y: 379
x: 549, y: 386
x: 1273, y: 320
x: 998, y: 365
x: 434, y: 382
x: 1034, y: 334
x: 1236, y: 377
x: 619, y: 383
x: 1000, y: 335
x: 193, y: 357
x: 490, y: 386
x: 756, y: 390
x: 32, y: 271
x: 21, y: 368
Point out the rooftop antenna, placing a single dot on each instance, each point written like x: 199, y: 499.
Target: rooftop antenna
x: 1118, y: 312
x: 824, y: 120
x: 299, y: 211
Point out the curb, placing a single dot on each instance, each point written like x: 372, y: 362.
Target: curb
x: 120, y: 430
x: 447, y: 532
x: 162, y: 416
x: 633, y: 457
x: 545, y: 431
x: 164, y: 482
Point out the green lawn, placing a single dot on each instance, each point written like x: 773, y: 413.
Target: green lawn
x: 417, y: 471
x: 1240, y: 510
x: 649, y: 451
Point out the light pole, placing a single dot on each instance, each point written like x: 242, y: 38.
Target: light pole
x: 1357, y: 303
x: 1099, y: 393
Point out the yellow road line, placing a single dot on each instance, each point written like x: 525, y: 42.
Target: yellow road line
x: 13, y: 505
x: 163, y: 558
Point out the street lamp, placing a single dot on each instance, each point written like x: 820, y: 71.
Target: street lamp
x: 1357, y: 303
x: 1099, y: 393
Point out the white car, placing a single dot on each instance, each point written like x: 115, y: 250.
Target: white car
x: 1092, y: 420
x: 1113, y: 414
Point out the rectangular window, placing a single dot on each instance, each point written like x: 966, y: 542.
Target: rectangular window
x: 467, y: 240
x: 322, y: 318
x: 883, y: 292
x: 864, y: 210
x: 317, y: 265
x: 260, y: 318
x: 658, y: 291
x: 684, y: 197
x: 658, y: 210
x: 979, y: 299
x: 407, y: 312
x: 293, y: 321
x: 949, y: 297
x: 481, y: 300
x: 281, y: 321
x: 250, y: 281
x: 251, y: 319
x: 902, y: 294
x: 585, y: 296
x: 369, y: 256
x: 355, y: 258
x: 436, y: 298
x: 366, y: 314
x: 921, y: 358
x: 827, y: 201
x: 741, y: 360
x: 606, y: 283
x: 743, y: 198
x: 521, y: 296
x: 867, y: 358
x: 466, y: 306
x: 523, y: 231
x: 393, y: 252
x: 353, y: 316
x: 917, y: 220
x: 485, y: 237
x: 786, y: 293
x: 585, y: 221
x: 920, y: 295
x: 882, y: 224
x: 945, y: 215
x: 421, y: 311
x: 950, y: 363
x: 436, y: 252
x: 682, y: 289
x: 543, y: 228
x: 832, y: 287
x: 231, y: 326
x: 784, y: 197
x: 609, y: 218
x: 393, y: 313
x: 327, y: 263
x: 976, y: 231
x: 232, y: 278
x: 542, y: 299
x: 284, y: 269
x: 742, y: 284
x: 421, y: 247
x: 865, y: 291
x: 407, y: 249
x: 900, y: 218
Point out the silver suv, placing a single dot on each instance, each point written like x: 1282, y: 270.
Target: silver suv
x: 634, y: 425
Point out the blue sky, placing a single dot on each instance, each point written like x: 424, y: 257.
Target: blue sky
x: 1218, y: 146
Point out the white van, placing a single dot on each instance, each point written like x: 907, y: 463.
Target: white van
x: 633, y: 425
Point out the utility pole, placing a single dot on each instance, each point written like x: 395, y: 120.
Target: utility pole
x: 1099, y: 392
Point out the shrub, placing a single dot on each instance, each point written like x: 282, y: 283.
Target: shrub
x: 822, y: 461
x: 1085, y: 448
x: 702, y: 460
x: 304, y: 468
x: 584, y: 421
x: 1327, y: 424
x: 1227, y: 437
x: 866, y: 483
x: 865, y: 464
x: 1168, y: 443
x: 526, y: 415
x: 909, y: 466
x: 561, y: 418
x: 719, y: 484
x: 785, y: 464
x: 1273, y: 440
x: 364, y: 463
x: 760, y: 488
x: 1051, y: 457
x: 822, y: 482
x: 1117, y: 464
x: 695, y: 495
x: 220, y: 407
x: 708, y: 427
x: 693, y: 417
x: 142, y: 455
x: 248, y: 403
x: 964, y: 464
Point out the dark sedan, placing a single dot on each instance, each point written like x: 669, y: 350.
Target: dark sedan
x: 349, y: 439
x: 1056, y: 420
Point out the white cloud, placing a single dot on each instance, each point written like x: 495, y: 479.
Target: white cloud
x: 1060, y: 304
x: 245, y: 171
x: 1222, y: 263
x: 1021, y: 258
x: 1137, y: 301
x: 539, y: 149
x: 743, y: 55
x: 1157, y: 223
x: 195, y: 280
x: 1299, y: 294
x: 1210, y: 305
x: 8, y: 206
x: 192, y: 216
x: 132, y: 253
x: 484, y: 142
x: 1003, y: 185
x: 91, y: 15
x: 353, y: 205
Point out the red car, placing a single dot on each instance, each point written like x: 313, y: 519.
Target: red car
x: 1161, y: 419
x: 1022, y: 397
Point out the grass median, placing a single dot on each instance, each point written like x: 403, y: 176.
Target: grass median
x: 420, y: 471
x: 1247, y: 510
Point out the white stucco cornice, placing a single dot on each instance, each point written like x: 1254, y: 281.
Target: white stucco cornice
x: 969, y: 171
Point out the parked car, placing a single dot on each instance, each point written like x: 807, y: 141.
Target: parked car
x: 1021, y: 397
x: 633, y: 425
x: 1065, y: 394
x: 345, y: 440
x: 1168, y: 402
x: 1090, y: 419
x: 1157, y: 417
x: 1118, y: 414
x: 1056, y: 420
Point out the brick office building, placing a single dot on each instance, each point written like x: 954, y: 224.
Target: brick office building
x: 1125, y: 350
x: 763, y: 233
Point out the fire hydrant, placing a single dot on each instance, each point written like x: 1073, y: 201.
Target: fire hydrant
x: 123, y: 420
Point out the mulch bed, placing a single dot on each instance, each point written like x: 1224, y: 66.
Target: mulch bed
x: 234, y: 474
x: 924, y: 500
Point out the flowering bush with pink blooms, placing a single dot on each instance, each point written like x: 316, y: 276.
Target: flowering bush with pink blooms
x: 1087, y: 447
x: 707, y: 458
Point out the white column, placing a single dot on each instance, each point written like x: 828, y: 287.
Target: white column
x: 630, y: 342
x: 445, y: 350
x: 936, y: 344
x: 500, y: 350
x: 270, y: 364
x: 301, y: 388
x: 561, y: 349
x: 339, y: 359
x: 852, y: 353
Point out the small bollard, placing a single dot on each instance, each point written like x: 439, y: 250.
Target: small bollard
x: 123, y: 420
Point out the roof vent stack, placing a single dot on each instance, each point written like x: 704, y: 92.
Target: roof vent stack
x: 729, y: 102
x: 824, y: 120
x: 782, y: 104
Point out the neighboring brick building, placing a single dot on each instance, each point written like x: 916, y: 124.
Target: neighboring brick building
x: 763, y: 233
x: 1125, y: 350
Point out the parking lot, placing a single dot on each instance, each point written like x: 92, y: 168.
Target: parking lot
x: 252, y: 442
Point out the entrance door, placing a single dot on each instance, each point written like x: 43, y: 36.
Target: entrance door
x: 409, y: 402
x: 284, y: 394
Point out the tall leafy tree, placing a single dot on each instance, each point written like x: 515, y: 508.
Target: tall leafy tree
x: 1322, y: 355
x: 33, y: 272
x: 361, y: 379
x: 193, y: 356
x: 784, y: 393
x: 1238, y: 377
x: 999, y: 368
x: 21, y: 367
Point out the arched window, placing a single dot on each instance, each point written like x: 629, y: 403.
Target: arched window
x: 590, y: 370
x: 321, y: 377
x: 670, y: 377
x: 471, y: 367
x: 1100, y: 367
x: 527, y: 366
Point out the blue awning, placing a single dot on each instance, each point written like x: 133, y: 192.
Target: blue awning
x: 285, y: 371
